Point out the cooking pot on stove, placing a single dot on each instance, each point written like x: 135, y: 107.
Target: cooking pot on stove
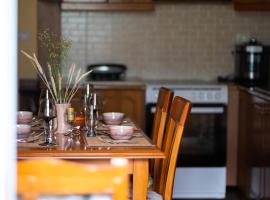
x: 107, y: 71
x: 252, y: 63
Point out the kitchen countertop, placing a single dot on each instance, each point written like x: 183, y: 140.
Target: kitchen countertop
x: 258, y: 91
x: 129, y: 83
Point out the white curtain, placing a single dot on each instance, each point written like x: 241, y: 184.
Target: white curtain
x: 8, y: 98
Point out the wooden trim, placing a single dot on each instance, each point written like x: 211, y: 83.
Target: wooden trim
x: 90, y: 154
x: 108, y: 6
x: 232, y: 135
x: 255, y: 6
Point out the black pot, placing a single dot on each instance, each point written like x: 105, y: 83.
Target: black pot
x: 107, y: 71
x: 252, y: 63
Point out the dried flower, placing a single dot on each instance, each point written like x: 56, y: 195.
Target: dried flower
x: 62, y: 89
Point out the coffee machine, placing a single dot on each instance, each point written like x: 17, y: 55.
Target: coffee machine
x: 252, y: 63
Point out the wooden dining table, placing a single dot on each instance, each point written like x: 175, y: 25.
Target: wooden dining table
x: 101, y: 148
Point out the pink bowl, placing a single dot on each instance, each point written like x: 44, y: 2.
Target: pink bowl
x: 23, y: 130
x: 113, y: 118
x: 24, y: 117
x: 121, y: 132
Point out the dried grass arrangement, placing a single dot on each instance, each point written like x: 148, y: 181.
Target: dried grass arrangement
x: 62, y: 89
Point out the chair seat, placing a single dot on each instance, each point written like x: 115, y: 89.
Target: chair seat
x: 151, y: 195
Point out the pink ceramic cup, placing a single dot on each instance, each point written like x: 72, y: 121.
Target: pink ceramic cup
x: 121, y: 132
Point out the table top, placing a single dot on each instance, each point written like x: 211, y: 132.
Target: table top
x: 82, y: 147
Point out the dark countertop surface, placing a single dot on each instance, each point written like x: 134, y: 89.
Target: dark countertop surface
x: 258, y: 91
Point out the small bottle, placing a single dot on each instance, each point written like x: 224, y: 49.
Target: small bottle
x: 71, y: 116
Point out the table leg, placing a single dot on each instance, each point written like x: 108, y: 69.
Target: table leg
x: 140, y: 179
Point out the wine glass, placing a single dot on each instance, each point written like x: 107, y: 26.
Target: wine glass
x: 47, y: 112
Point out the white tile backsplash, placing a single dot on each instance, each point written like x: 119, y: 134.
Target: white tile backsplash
x: 176, y: 41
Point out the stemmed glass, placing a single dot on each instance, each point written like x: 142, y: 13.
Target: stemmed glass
x: 47, y: 112
x: 90, y: 122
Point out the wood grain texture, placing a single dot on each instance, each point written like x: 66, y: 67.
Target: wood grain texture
x: 178, y: 115
x: 251, y: 5
x: 127, y: 99
x: 107, y: 6
x: 162, y: 109
x: 138, y: 157
x: 140, y: 179
x: 232, y: 135
x: 58, y: 177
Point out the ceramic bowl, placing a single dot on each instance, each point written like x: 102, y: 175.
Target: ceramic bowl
x: 23, y: 130
x: 24, y: 117
x: 121, y: 132
x: 113, y: 118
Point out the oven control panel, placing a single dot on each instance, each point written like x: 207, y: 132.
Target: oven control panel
x: 203, y: 94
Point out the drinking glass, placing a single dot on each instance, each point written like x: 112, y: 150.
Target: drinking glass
x: 90, y: 122
x: 47, y: 112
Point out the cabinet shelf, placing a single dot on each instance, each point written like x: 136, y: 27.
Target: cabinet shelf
x: 108, y: 6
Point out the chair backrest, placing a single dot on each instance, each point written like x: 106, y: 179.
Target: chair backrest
x: 58, y: 177
x: 164, y: 100
x: 179, y: 112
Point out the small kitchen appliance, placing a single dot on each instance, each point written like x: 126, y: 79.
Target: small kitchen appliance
x: 252, y: 63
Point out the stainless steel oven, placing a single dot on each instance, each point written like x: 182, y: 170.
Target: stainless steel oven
x: 201, y: 166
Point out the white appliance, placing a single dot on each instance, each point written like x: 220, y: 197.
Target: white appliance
x: 201, y: 167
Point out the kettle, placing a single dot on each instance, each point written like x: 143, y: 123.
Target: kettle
x: 251, y: 63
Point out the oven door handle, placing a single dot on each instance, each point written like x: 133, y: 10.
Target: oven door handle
x: 207, y: 110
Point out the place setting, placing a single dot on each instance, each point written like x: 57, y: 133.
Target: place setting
x: 114, y: 129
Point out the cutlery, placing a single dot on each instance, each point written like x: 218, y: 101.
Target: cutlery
x: 27, y: 140
x: 34, y: 136
x: 114, y: 141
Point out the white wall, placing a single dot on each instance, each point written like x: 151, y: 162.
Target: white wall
x: 8, y: 98
x: 176, y: 41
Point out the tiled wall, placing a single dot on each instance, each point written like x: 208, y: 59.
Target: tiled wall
x: 176, y: 41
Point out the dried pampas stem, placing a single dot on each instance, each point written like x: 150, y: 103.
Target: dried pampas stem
x: 57, y: 94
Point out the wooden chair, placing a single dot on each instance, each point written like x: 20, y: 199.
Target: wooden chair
x: 164, y: 179
x: 164, y: 101
x: 58, y: 177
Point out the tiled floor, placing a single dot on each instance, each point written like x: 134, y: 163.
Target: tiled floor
x: 231, y: 194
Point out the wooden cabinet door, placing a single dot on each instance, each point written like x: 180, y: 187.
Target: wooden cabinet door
x: 108, y: 5
x: 244, y: 145
x: 266, y: 152
x: 254, y: 147
x: 128, y: 101
x: 256, y: 136
x: 252, y: 5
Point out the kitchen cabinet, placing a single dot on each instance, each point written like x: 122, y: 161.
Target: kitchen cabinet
x: 254, y: 142
x: 108, y: 5
x: 126, y: 98
x: 232, y: 135
x: 252, y: 5
x: 49, y: 17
